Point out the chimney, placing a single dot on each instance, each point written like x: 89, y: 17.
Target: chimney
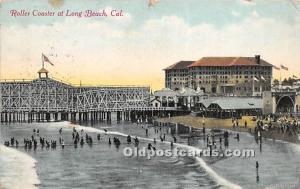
x: 257, y: 58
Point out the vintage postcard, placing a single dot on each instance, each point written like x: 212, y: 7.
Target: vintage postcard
x: 149, y: 94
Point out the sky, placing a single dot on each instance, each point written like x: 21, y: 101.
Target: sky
x: 133, y: 49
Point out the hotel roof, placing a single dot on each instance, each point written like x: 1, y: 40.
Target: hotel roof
x: 229, y: 61
x: 238, y: 103
x: 180, y: 65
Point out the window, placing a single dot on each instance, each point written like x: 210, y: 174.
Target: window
x: 213, y: 90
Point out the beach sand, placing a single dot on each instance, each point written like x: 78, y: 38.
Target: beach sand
x: 197, y: 122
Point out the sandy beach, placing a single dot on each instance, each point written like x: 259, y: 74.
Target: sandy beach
x: 197, y: 122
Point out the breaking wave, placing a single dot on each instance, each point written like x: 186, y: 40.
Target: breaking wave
x: 17, y: 169
x: 219, y: 179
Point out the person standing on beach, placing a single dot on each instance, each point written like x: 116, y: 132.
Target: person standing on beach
x: 128, y: 139
x: 257, y: 176
x: 207, y: 140
x: 136, y: 141
x: 149, y: 146
x: 161, y: 139
x: 259, y: 136
x: 175, y: 139
x: 226, y: 139
x: 203, y: 125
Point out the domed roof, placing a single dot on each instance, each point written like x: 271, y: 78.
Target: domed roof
x: 43, y: 70
x: 165, y: 92
x: 185, y: 91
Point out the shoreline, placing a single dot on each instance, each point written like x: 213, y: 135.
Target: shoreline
x: 216, y: 174
x: 215, y: 123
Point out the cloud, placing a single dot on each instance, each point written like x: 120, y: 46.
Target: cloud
x: 254, y: 13
x: 235, y: 13
x: 102, y: 51
x: 248, y: 2
x: 56, y: 3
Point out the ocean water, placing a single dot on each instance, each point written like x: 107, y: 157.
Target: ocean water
x: 104, y: 166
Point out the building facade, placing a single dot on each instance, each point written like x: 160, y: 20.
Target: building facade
x: 177, y: 75
x: 236, y: 76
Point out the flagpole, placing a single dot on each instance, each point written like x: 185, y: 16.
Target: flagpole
x: 42, y: 61
x: 253, y: 85
x: 280, y: 83
x: 260, y: 86
x: 260, y: 89
x: 280, y: 76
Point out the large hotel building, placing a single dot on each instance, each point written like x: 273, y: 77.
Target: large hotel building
x: 240, y: 76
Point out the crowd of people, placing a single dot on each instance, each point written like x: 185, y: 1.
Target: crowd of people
x: 12, y: 142
x: 210, y: 137
x: 281, y: 126
x: 79, y: 138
